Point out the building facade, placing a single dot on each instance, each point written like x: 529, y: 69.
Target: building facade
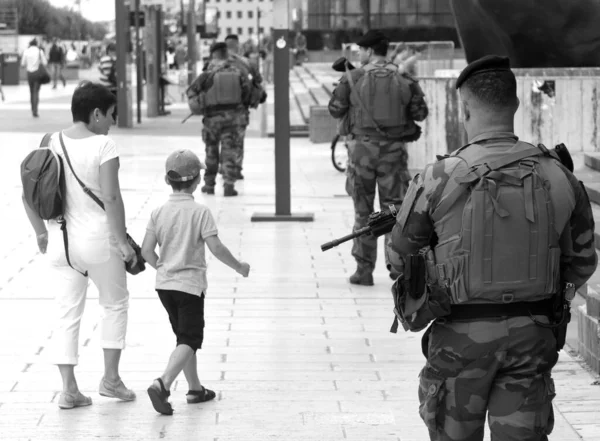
x: 348, y: 14
x: 248, y: 19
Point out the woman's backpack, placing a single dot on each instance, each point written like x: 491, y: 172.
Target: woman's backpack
x: 42, y: 175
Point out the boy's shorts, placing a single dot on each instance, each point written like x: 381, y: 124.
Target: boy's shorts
x: 186, y: 314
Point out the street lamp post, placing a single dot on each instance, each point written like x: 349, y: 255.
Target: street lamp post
x: 281, y: 37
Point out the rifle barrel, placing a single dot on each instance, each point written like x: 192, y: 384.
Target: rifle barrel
x: 336, y: 242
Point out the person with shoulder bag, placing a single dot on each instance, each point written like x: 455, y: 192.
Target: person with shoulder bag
x: 377, y: 107
x: 35, y: 62
x: 85, y: 236
x: 491, y: 244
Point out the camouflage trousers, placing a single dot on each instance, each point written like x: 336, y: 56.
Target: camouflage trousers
x: 239, y: 160
x: 501, y: 367
x: 225, y: 130
x: 381, y: 165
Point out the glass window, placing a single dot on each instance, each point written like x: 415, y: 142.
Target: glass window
x: 228, y: 31
x: 250, y: 14
x: 228, y: 14
x: 240, y: 31
x: 261, y: 30
x: 239, y: 14
x: 250, y: 31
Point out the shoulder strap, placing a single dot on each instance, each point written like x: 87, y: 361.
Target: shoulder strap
x: 362, y: 105
x: 46, y: 140
x: 86, y: 190
x: 482, y: 170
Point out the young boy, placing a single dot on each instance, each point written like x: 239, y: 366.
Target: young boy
x: 181, y: 227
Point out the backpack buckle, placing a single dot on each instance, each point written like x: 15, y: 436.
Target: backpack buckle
x: 507, y: 298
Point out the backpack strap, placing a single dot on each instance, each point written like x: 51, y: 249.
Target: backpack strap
x: 362, y: 105
x: 486, y: 168
x: 46, y: 140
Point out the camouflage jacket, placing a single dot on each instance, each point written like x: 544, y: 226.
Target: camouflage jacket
x: 416, y: 229
x: 339, y: 105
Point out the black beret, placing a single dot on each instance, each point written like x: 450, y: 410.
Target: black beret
x: 232, y: 37
x: 489, y: 63
x: 371, y: 38
x: 218, y: 46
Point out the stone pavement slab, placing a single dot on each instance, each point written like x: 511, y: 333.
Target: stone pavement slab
x: 294, y: 352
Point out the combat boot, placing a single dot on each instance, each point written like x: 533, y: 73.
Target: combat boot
x: 364, y: 278
x: 207, y: 189
x: 229, y: 190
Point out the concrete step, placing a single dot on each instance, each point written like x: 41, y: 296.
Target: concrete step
x: 592, y: 160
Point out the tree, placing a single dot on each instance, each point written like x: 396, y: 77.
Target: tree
x: 40, y: 17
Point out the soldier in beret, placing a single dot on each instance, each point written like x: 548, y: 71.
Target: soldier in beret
x: 377, y: 106
x: 511, y: 230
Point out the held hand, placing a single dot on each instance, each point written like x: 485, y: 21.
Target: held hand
x: 127, y: 253
x: 42, y: 241
x: 244, y: 269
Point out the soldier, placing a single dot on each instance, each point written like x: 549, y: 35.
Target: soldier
x: 380, y: 106
x: 225, y: 92
x: 512, y: 230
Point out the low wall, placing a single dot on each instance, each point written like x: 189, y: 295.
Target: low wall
x: 571, y: 116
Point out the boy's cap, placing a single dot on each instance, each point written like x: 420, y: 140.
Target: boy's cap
x: 183, y: 166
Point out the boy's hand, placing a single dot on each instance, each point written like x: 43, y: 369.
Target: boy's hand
x: 244, y: 269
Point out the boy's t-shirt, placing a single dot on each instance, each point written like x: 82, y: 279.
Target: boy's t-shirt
x: 180, y: 227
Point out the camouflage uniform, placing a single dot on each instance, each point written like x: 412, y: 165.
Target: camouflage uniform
x: 227, y: 130
x: 499, y: 366
x: 376, y: 162
x: 251, y: 70
x: 222, y: 126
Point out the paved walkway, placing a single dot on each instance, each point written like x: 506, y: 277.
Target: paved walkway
x: 294, y: 352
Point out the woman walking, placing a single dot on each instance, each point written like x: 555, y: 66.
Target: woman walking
x: 97, y: 244
x: 33, y: 57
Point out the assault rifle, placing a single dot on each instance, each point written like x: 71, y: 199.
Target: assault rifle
x: 380, y: 223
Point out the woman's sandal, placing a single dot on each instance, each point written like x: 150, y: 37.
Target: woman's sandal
x: 159, y: 397
x: 200, y: 396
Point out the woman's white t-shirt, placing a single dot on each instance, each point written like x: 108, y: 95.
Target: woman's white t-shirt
x: 87, y: 223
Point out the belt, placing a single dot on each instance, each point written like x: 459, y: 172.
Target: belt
x: 498, y: 310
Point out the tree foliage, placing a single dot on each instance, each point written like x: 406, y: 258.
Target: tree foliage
x: 40, y: 17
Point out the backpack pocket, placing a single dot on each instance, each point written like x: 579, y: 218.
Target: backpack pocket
x: 553, y: 271
x: 456, y: 275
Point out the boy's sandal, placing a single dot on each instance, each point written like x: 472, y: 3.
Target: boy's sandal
x: 200, y: 396
x: 159, y: 396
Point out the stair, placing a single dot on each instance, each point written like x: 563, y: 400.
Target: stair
x: 589, y: 174
x: 583, y: 332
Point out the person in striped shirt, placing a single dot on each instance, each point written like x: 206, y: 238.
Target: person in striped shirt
x: 108, y: 67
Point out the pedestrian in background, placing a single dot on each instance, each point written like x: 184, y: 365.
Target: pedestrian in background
x: 379, y: 106
x: 182, y: 228
x: 97, y: 246
x: 251, y: 70
x: 34, y: 58
x: 56, y: 62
